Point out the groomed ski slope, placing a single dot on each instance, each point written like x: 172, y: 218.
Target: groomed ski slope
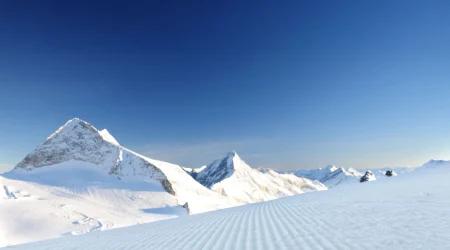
x: 405, y: 212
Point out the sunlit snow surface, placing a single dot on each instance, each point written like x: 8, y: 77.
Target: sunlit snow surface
x: 405, y: 212
x: 81, y: 180
x: 73, y: 198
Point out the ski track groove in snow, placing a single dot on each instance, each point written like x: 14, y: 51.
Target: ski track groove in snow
x: 189, y: 242
x: 306, y: 233
x: 226, y: 232
x: 312, y: 214
x: 320, y: 232
x: 212, y: 236
x: 264, y: 228
x: 257, y: 234
x: 289, y: 231
x: 273, y: 223
x: 184, y: 231
x: 203, y: 235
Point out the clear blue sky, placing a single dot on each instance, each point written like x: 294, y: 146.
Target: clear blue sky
x: 288, y: 84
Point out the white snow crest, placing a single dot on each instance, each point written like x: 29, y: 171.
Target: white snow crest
x: 232, y: 177
x: 108, y: 137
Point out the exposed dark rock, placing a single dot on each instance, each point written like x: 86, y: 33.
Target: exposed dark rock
x: 368, y: 176
x: 168, y: 186
x: 390, y: 173
x: 186, y: 206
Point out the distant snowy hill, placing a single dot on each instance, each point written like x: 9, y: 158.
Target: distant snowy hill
x: 316, y: 174
x: 331, y: 175
x: 80, y: 179
x: 437, y: 164
x: 232, y: 177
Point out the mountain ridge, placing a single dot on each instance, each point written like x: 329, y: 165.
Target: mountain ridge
x: 80, y: 141
x: 232, y: 177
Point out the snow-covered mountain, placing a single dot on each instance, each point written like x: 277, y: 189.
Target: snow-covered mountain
x: 331, y: 175
x: 232, y: 177
x: 80, y: 179
x: 406, y: 212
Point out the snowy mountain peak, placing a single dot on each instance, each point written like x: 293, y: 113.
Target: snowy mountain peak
x: 221, y: 169
x: 331, y: 168
x: 341, y: 169
x: 235, y: 160
x: 232, y: 153
x: 108, y: 137
x: 232, y: 177
x: 75, y: 140
x: 71, y: 126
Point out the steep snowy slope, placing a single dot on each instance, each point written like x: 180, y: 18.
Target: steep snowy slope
x: 232, y: 177
x: 80, y: 179
x: 331, y: 176
x: 407, y: 212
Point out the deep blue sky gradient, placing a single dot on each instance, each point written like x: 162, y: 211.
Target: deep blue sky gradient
x: 288, y: 84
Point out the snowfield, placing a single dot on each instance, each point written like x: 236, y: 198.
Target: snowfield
x: 404, y: 212
x: 73, y: 198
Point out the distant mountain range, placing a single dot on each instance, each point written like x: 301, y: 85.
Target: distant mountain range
x: 333, y: 176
